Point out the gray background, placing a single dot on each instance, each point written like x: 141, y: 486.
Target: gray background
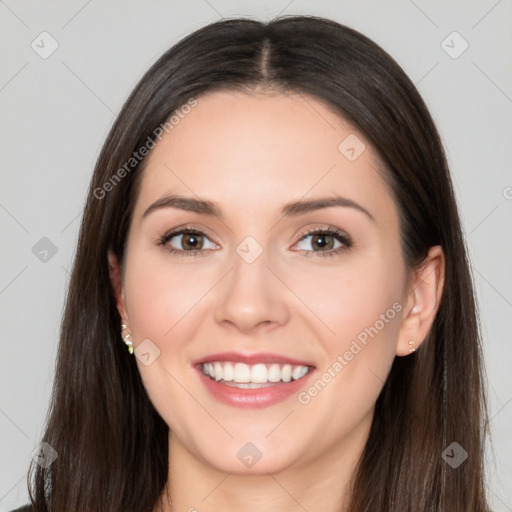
x: 56, y: 112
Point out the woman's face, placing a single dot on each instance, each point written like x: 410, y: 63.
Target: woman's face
x: 244, y: 284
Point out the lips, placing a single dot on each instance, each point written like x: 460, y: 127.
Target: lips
x: 262, y: 357
x: 252, y: 380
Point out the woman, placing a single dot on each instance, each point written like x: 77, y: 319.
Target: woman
x: 270, y: 305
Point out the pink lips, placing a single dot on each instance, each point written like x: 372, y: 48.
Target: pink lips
x: 252, y: 398
x: 263, y: 357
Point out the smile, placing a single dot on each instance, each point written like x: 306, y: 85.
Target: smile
x: 255, y: 380
x: 256, y: 376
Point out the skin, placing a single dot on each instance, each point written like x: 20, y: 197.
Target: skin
x: 251, y: 154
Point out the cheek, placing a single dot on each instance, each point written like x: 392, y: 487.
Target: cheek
x: 360, y: 312
x: 362, y: 309
x: 160, y: 295
x: 359, y: 300
x: 164, y: 306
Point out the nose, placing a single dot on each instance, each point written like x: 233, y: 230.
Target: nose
x: 251, y: 298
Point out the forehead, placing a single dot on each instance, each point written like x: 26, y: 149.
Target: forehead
x: 237, y: 148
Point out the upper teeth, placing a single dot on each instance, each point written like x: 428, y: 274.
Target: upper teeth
x: 258, y: 373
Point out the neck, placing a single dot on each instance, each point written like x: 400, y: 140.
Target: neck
x: 319, y: 484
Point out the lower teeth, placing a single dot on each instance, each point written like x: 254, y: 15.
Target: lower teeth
x: 248, y: 385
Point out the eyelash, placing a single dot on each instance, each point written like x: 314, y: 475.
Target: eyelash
x: 345, y: 239
x: 165, y: 239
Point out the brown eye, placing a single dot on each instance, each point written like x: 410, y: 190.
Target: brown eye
x: 187, y: 242
x: 322, y: 242
x: 192, y: 241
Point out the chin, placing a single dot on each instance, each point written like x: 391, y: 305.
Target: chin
x: 251, y: 464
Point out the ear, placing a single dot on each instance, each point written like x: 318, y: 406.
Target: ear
x: 423, y: 299
x: 116, y: 278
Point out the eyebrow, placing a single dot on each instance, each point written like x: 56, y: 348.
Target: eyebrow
x: 292, y: 209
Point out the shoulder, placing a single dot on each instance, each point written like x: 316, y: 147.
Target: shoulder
x: 25, y: 508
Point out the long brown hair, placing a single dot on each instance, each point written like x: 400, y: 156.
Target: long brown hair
x: 112, y: 445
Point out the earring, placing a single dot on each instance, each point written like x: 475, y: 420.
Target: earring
x: 411, y: 347
x: 126, y: 339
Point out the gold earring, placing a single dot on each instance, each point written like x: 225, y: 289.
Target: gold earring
x: 411, y: 347
x: 126, y: 339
